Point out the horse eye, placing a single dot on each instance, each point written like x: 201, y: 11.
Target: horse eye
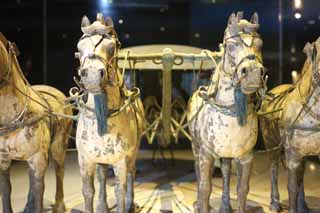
x: 262, y: 71
x: 244, y: 71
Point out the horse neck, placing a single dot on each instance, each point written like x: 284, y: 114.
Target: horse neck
x: 11, y: 99
x: 16, y: 84
x: 305, y: 84
x: 308, y: 87
x: 113, y: 96
x: 223, y: 83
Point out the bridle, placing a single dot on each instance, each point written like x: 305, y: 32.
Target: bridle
x: 250, y: 57
x: 7, y: 74
x: 236, y: 81
x: 108, y: 64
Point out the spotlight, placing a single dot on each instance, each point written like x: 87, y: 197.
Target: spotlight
x: 312, y: 167
x: 297, y: 15
x: 297, y: 4
x: 127, y: 36
x: 104, y: 5
x: 311, y: 22
x: 120, y: 21
x: 162, y: 29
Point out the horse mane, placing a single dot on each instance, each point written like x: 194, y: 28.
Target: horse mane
x: 303, y: 85
x: 21, y: 86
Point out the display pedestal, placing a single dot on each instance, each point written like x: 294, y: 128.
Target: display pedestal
x: 252, y: 206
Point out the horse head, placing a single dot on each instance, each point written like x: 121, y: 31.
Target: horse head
x: 242, y: 52
x: 97, y: 48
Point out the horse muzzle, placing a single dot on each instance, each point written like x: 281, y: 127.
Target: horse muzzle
x: 249, y: 89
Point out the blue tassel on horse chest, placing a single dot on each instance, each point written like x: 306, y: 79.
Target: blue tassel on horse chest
x: 100, y: 107
x: 241, y: 106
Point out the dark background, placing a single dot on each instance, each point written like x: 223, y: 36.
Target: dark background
x: 188, y: 22
x: 197, y: 23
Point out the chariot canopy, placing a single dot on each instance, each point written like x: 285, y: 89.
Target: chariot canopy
x: 155, y: 51
x: 167, y: 58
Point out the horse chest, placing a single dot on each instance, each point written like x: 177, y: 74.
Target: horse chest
x: 118, y: 142
x: 10, y: 108
x: 306, y: 143
x: 222, y: 134
x: 23, y: 143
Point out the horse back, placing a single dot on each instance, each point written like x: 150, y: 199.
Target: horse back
x: 56, y: 102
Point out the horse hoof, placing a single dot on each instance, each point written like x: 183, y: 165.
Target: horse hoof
x: 28, y: 210
x: 59, y: 208
x: 275, y: 207
x: 225, y: 209
x: 132, y: 209
x: 102, y: 208
x: 302, y: 207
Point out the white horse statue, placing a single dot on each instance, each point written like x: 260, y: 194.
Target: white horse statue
x: 110, y: 119
x: 221, y: 117
x: 28, y: 131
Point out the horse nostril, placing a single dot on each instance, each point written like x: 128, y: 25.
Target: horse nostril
x: 244, y: 71
x: 83, y: 73
x: 262, y: 71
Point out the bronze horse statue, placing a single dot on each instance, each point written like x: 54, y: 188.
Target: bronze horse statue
x: 293, y: 126
x: 29, y: 132
x: 110, y: 121
x: 221, y: 117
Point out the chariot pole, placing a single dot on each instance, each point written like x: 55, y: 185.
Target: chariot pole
x: 168, y: 59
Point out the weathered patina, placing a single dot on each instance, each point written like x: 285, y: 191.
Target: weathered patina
x: 110, y: 121
x: 293, y: 128
x: 28, y: 131
x: 221, y: 117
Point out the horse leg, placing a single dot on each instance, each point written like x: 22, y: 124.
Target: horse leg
x: 225, y: 202
x: 275, y: 205
x: 102, y: 171
x: 121, y: 173
x: 30, y: 200
x: 293, y: 162
x: 5, y: 189
x: 302, y: 204
x: 195, y: 149
x: 58, y: 152
x: 130, y: 205
x: 87, y: 170
x: 205, y: 187
x: 37, y: 167
x: 243, y: 185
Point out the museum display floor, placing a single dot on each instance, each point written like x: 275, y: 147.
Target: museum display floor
x: 165, y: 190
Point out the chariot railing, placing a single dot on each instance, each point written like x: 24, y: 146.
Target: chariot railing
x: 171, y: 58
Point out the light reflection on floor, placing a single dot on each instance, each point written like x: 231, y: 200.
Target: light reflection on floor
x: 165, y: 190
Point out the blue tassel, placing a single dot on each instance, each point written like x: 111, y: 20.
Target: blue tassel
x: 100, y: 107
x: 241, y: 106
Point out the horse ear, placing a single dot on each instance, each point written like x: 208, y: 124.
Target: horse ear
x: 317, y: 44
x: 85, y: 21
x: 233, y: 25
x: 100, y: 18
x: 308, y: 49
x: 109, y: 21
x: 239, y: 15
x: 232, y: 19
x: 255, y: 18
